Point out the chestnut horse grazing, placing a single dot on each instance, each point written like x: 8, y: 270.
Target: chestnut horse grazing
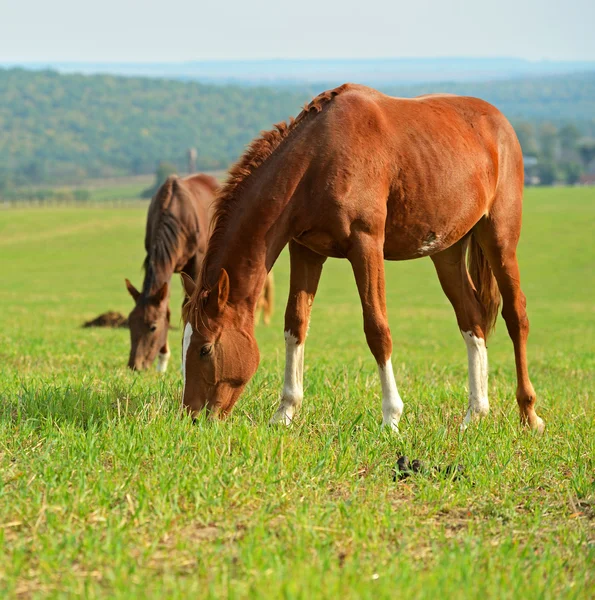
x: 175, y: 241
x: 366, y: 177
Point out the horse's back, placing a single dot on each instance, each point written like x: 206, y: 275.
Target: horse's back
x: 446, y: 115
x: 429, y: 166
x: 187, y: 202
x: 203, y: 190
x: 202, y: 183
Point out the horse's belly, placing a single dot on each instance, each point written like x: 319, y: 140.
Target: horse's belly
x: 415, y: 233
x: 405, y: 246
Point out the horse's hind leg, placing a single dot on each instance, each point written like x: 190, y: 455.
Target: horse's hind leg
x: 498, y: 236
x: 456, y: 283
x: 306, y: 268
x: 367, y: 260
x: 269, y: 294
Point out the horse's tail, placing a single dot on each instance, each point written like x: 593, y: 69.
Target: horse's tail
x: 485, y: 283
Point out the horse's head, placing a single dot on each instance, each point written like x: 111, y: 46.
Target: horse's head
x: 219, y: 351
x: 149, y: 323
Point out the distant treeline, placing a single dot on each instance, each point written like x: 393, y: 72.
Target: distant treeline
x: 62, y: 129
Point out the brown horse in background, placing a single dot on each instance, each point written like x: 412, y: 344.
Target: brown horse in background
x: 176, y: 237
x: 175, y: 241
x: 366, y: 177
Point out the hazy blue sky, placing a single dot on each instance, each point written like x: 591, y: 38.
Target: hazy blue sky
x: 179, y: 30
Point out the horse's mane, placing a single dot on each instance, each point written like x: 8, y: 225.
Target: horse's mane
x: 164, y: 244
x: 255, y: 155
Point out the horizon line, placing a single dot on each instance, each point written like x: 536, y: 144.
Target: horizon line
x: 293, y: 59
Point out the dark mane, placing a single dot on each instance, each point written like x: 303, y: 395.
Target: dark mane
x: 256, y: 154
x: 162, y: 248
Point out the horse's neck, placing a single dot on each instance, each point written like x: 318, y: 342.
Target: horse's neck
x: 155, y: 277
x: 158, y: 268
x: 255, y: 234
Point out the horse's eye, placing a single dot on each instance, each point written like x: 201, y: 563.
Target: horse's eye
x: 206, y: 350
x: 152, y: 326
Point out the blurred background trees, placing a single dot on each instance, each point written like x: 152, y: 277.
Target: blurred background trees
x: 65, y: 129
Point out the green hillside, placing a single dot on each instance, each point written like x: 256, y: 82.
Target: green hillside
x: 65, y: 128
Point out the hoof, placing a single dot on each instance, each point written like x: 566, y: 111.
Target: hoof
x: 281, y: 417
x: 475, y: 413
x: 392, y: 424
x: 536, y: 424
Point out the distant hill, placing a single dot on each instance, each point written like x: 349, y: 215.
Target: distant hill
x: 387, y: 71
x: 561, y: 98
x: 64, y: 128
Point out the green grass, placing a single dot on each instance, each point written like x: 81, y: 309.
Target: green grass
x: 105, y: 491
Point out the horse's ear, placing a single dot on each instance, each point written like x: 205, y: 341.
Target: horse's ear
x: 161, y: 295
x: 132, y: 290
x: 188, y: 283
x: 222, y: 290
x: 218, y: 296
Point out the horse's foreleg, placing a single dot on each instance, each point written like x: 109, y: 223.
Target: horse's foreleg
x: 306, y: 268
x: 191, y: 268
x: 164, y: 353
x: 163, y: 358
x: 367, y: 260
x: 456, y: 284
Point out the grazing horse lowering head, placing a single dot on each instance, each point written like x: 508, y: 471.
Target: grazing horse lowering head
x: 149, y: 323
x: 366, y: 177
x: 219, y: 351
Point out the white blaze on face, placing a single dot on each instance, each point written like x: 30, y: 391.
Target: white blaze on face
x: 185, y: 346
x: 477, y: 355
x: 392, y: 405
x: 293, y: 386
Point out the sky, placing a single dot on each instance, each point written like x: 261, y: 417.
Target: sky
x: 184, y: 30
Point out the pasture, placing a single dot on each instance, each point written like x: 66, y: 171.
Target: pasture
x: 106, y: 491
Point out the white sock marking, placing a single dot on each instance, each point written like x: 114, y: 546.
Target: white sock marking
x: 477, y: 355
x: 392, y: 405
x: 162, y: 361
x: 185, y: 345
x: 293, y: 386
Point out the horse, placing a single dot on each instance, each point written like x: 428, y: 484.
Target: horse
x: 177, y: 230
x: 366, y: 177
x: 175, y: 241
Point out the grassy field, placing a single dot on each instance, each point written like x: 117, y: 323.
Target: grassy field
x: 113, y: 193
x: 105, y: 491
